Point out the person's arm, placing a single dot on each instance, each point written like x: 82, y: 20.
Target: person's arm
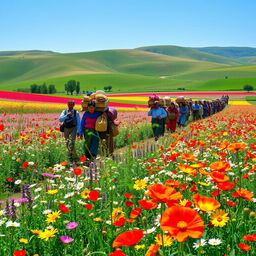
x: 150, y: 112
x: 80, y: 128
x: 78, y: 121
x: 163, y: 113
x: 63, y: 116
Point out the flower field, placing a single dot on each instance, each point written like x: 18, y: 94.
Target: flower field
x: 191, y: 193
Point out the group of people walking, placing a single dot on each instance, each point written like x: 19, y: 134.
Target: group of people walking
x: 86, y: 128
x: 179, y: 113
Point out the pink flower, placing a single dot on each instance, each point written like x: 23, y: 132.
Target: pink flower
x: 66, y: 239
x: 71, y: 225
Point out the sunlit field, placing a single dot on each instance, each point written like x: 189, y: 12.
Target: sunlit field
x: 179, y: 196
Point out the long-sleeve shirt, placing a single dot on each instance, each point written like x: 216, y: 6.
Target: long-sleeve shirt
x: 155, y: 112
x: 63, y: 116
x: 88, y: 121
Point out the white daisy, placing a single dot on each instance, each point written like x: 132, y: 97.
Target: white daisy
x: 214, y: 241
x: 199, y: 243
x: 12, y: 224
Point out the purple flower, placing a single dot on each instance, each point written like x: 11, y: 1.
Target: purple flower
x: 66, y: 239
x: 48, y: 175
x: 71, y: 225
x: 22, y: 200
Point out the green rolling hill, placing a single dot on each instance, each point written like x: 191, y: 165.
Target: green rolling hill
x: 145, y: 68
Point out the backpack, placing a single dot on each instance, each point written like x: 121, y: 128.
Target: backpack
x: 71, y: 121
x: 101, y: 124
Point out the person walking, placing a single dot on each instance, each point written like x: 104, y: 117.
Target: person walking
x: 87, y: 130
x: 158, y: 119
x: 183, y: 111
x: 71, y: 121
x: 172, y: 115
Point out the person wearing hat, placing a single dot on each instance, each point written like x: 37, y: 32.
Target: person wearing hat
x: 71, y: 120
x: 87, y: 130
x: 158, y: 119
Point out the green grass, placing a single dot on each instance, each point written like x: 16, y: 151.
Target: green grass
x: 251, y: 99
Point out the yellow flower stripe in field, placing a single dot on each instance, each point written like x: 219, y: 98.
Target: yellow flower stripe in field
x: 51, y: 106
x: 239, y: 102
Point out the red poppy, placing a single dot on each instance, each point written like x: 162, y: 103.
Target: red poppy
x: 20, y: 253
x: 215, y: 193
x: 173, y: 183
x: 10, y: 179
x: 88, y: 206
x: 230, y: 203
x: 244, y: 247
x: 250, y: 237
x: 1, y: 127
x: 64, y: 208
x: 135, y: 213
x: 193, y: 189
x: 204, y: 203
x: 117, y: 252
x: 77, y: 171
x: 128, y: 196
x: 182, y: 222
x: 83, y: 158
x: 128, y: 238
x: 24, y: 165
x: 225, y: 185
x: 218, y: 177
x: 94, y: 195
x: 148, y: 204
x: 129, y: 203
x: 152, y: 250
x: 120, y: 222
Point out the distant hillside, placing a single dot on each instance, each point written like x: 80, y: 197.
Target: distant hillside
x: 190, y: 53
x: 31, y: 52
x: 229, y: 52
x: 147, y: 68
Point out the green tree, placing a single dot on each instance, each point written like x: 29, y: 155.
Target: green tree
x: 43, y: 88
x: 77, y: 87
x: 51, y: 89
x: 248, y: 87
x: 34, y: 88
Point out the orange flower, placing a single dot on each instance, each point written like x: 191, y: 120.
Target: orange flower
x: 64, y: 163
x: 204, y: 203
x: 174, y: 183
x: 234, y: 147
x: 135, y: 213
x: 182, y: 222
x: 152, y: 250
x: 250, y: 237
x: 219, y: 177
x: 247, y: 195
x: 224, y: 145
x: 225, y: 185
x: 220, y: 166
x: 187, y: 169
x: 128, y: 238
x: 163, y: 193
x: 148, y: 204
x: 189, y: 157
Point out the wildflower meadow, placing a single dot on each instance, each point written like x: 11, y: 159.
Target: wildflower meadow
x: 189, y: 193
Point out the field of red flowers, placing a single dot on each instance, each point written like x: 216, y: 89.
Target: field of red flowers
x: 190, y: 193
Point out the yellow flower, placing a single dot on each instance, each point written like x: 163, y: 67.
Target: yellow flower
x: 203, y: 183
x: 164, y: 240
x: 139, y: 246
x: 140, y: 184
x: 219, y: 218
x: 35, y: 231
x: 45, y: 235
x: 51, y: 217
x: 184, y: 202
x: 117, y: 213
x: 98, y: 219
x: 23, y: 240
x: 85, y: 194
x: 52, y: 192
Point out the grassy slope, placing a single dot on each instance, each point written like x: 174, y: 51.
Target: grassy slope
x: 123, y: 70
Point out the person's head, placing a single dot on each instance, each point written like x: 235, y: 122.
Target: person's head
x: 71, y: 104
x: 156, y: 104
x: 196, y: 102
x: 172, y: 105
x: 91, y: 106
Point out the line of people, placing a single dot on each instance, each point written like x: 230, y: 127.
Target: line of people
x: 85, y: 128
x: 179, y: 113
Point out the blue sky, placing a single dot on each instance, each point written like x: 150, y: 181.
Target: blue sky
x: 90, y: 25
